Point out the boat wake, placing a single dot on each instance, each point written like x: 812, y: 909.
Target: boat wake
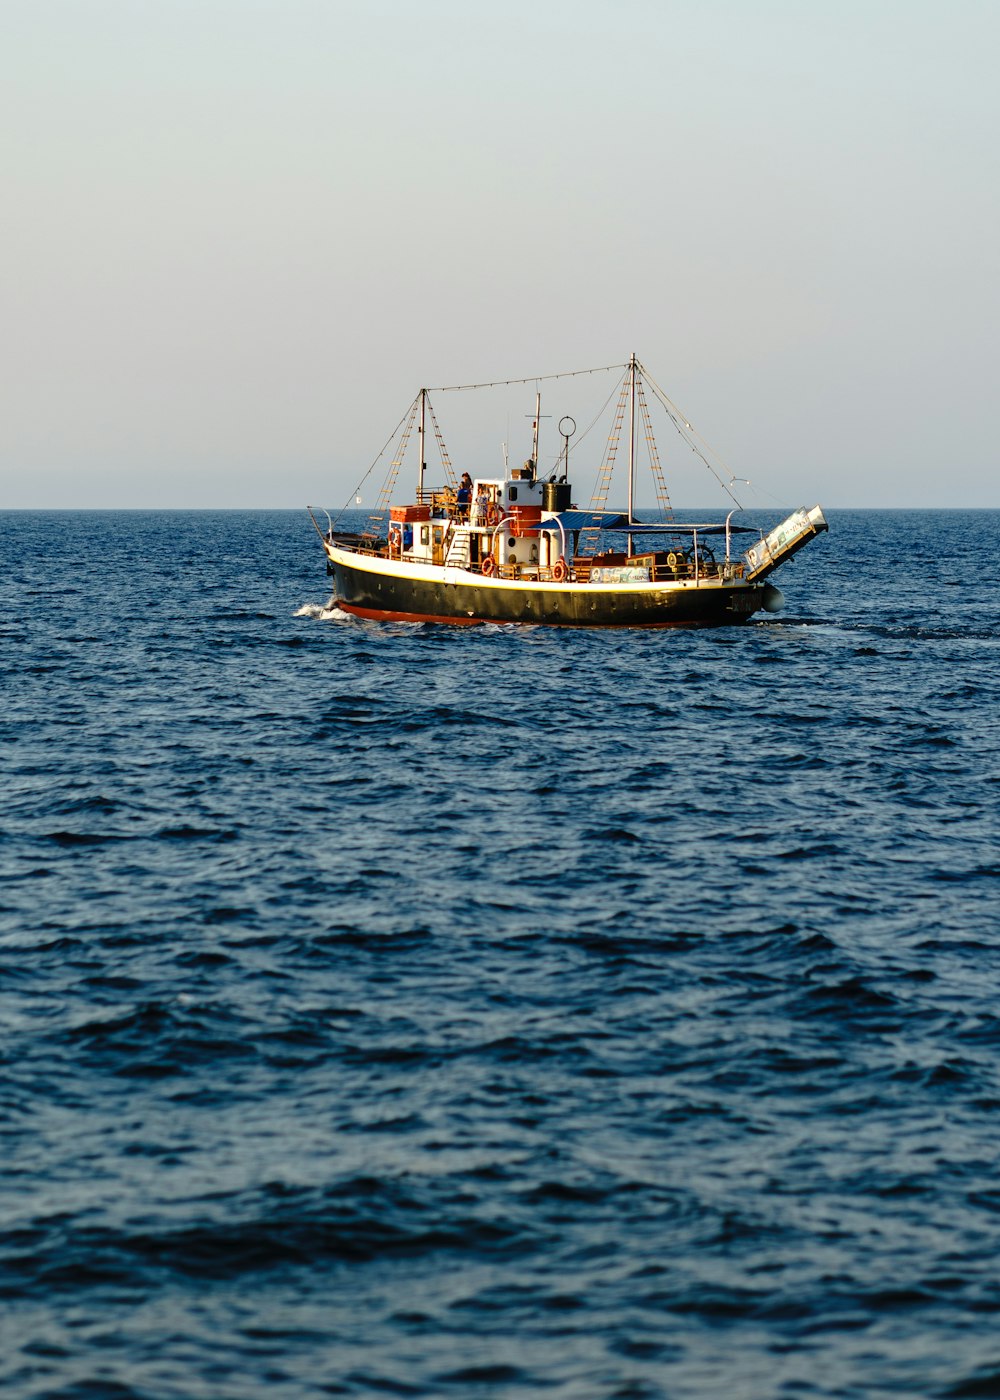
x: 323, y: 612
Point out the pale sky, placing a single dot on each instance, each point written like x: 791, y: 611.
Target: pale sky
x: 240, y: 235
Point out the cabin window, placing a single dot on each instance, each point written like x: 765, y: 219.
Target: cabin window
x: 513, y: 493
x: 425, y: 534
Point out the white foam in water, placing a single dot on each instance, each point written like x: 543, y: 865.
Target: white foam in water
x: 323, y: 612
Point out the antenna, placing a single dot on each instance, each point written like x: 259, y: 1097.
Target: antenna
x: 566, y: 432
x: 534, y: 429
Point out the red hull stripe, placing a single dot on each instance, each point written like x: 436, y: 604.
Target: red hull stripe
x: 380, y: 615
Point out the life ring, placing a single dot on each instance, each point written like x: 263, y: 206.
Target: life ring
x: 487, y: 565
x: 676, y: 560
x: 559, y: 570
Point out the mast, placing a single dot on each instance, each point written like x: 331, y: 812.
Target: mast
x: 631, y: 443
x: 534, y: 435
x: 421, y: 439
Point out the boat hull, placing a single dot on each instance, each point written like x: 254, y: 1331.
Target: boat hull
x: 372, y: 588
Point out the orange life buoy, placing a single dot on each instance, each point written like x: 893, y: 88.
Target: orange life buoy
x: 488, y: 565
x: 559, y: 570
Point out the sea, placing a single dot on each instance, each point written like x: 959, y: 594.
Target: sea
x: 399, y: 1010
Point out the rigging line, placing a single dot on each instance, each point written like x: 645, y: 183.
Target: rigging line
x: 600, y: 412
x: 682, y: 418
x: 781, y: 503
x: 529, y: 379
x: 377, y: 518
x: 678, y: 418
x: 388, y: 443
x: 449, y: 470
x: 596, y: 419
x: 653, y: 455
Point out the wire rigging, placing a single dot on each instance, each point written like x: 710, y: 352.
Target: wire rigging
x: 385, y: 447
x: 377, y: 518
x: 688, y: 434
x: 449, y: 470
x: 605, y: 470
x: 528, y: 379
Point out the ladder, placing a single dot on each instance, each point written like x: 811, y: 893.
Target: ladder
x: 377, y: 519
x: 457, y: 551
x: 449, y: 470
x: 590, y: 534
x: 659, y: 481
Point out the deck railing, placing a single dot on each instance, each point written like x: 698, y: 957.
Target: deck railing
x: 580, y: 569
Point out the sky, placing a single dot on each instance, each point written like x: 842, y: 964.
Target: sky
x: 240, y: 235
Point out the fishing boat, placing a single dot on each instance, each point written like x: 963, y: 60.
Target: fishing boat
x: 511, y: 545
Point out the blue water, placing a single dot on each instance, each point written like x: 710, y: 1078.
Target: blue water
x: 391, y: 1010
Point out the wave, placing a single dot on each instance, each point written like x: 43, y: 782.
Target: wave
x: 324, y: 612
x: 357, y: 1220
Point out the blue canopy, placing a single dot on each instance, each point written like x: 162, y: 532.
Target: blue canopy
x: 615, y: 520
x: 586, y: 520
x: 675, y: 527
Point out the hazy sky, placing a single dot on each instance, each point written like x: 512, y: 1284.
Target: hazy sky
x: 239, y: 235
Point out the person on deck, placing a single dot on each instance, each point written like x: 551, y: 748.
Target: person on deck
x: 464, y: 496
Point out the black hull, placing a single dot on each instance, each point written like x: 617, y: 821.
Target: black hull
x: 396, y: 597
